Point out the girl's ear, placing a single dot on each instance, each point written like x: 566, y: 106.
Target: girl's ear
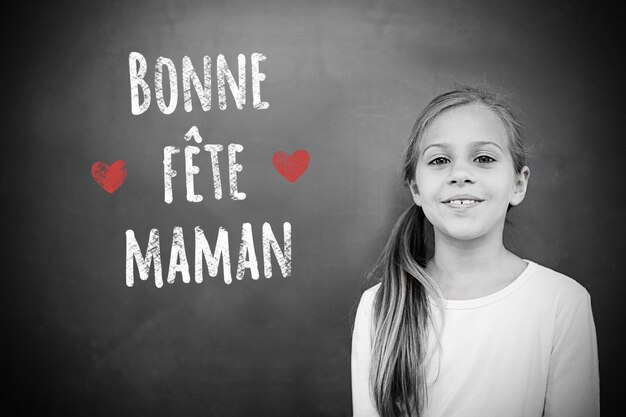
x: 519, y: 189
x: 415, y: 193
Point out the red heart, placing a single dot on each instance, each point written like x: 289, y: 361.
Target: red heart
x: 109, y: 177
x: 291, y: 166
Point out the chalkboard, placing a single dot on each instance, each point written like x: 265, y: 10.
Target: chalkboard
x: 340, y: 82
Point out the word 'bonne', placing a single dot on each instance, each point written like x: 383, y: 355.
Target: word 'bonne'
x: 138, y: 68
x: 178, y: 255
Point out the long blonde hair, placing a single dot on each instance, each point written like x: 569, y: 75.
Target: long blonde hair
x: 402, y: 310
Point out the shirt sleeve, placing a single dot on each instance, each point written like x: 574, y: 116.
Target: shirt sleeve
x: 362, y: 403
x: 573, y: 388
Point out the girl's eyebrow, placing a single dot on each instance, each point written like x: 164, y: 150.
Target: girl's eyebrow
x: 475, y: 144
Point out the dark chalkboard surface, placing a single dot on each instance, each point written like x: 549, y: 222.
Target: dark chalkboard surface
x: 344, y: 81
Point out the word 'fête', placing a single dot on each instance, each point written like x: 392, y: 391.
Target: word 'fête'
x: 191, y: 169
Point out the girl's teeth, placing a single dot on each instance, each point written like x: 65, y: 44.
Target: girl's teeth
x: 462, y: 202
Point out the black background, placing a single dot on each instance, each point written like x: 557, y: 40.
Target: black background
x: 345, y: 81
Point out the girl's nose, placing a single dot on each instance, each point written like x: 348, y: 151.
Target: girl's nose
x: 461, y: 173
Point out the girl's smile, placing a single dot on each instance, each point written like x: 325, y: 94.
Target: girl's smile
x: 462, y: 205
x: 464, y: 201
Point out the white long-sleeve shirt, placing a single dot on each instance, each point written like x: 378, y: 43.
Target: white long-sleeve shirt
x: 527, y: 350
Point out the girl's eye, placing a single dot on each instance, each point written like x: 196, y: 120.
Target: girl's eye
x: 484, y: 159
x: 438, y: 161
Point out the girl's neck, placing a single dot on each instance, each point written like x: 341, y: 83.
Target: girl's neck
x: 468, y: 269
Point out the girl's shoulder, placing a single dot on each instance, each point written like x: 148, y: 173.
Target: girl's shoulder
x: 366, y: 303
x: 371, y: 291
x: 538, y: 283
x: 553, y: 289
x: 553, y: 281
x: 537, y: 278
x: 367, y: 298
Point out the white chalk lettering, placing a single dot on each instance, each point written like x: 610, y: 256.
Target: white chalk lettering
x: 192, y: 170
x: 191, y: 82
x: 257, y: 77
x: 137, y: 80
x: 153, y: 254
x: 178, y: 256
x: 212, y: 258
x: 283, y: 258
x: 202, y: 90
x: 168, y: 172
x: 158, y: 85
x: 247, y: 249
x: 233, y: 168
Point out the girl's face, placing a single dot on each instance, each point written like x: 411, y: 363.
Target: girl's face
x: 465, y: 178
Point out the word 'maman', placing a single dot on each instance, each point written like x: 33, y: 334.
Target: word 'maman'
x: 178, y: 255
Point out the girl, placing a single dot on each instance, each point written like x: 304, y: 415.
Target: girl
x: 464, y: 327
